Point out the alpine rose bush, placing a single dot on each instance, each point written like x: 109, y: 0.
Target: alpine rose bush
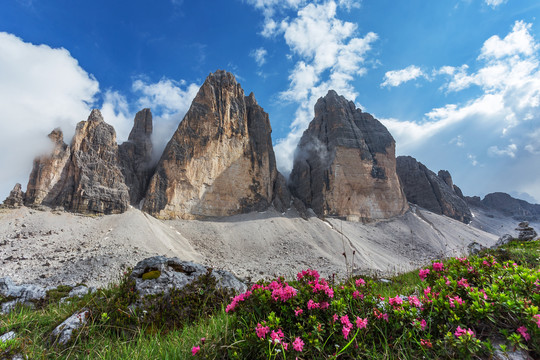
x: 455, y: 310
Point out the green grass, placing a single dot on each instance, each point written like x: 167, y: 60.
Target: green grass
x: 111, y: 334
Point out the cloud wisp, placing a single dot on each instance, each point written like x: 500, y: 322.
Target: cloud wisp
x: 398, y: 77
x: 328, y: 54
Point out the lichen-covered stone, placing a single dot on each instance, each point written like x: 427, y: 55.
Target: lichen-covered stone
x: 220, y: 160
x: 175, y: 273
x: 433, y: 192
x: 345, y: 164
x: 63, y: 333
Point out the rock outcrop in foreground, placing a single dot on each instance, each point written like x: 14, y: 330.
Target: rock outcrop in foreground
x: 136, y: 156
x: 15, y: 198
x: 345, y: 164
x: 84, y: 177
x: 220, y: 160
x: 436, y: 193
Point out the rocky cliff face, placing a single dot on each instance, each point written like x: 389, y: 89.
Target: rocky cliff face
x: 345, y: 164
x: 136, y: 156
x: 436, y: 193
x: 220, y: 160
x: 84, y: 177
x: 15, y: 197
x: 48, y: 175
x: 508, y: 205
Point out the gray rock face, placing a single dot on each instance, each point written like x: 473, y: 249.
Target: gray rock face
x: 220, y: 160
x: 518, y: 209
x: 344, y: 164
x: 63, y: 333
x: 136, y: 156
x: 475, y: 248
x: 8, y: 336
x: 435, y: 193
x: 23, y: 294
x: 85, y: 177
x: 526, y: 233
x: 503, y: 240
x: 15, y: 198
x: 175, y: 273
x: 49, y: 172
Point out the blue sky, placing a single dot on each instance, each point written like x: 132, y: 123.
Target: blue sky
x: 456, y: 82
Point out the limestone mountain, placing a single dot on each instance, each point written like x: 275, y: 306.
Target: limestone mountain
x: 136, y: 156
x: 436, y: 193
x: 48, y: 175
x: 220, y: 160
x: 84, y: 177
x: 518, y: 209
x: 345, y: 164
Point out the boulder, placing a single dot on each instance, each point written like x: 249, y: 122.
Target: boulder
x: 63, y: 333
x: 220, y: 160
x: 503, y: 240
x: 15, y: 198
x: 345, y: 164
x: 159, y: 274
x: 475, y: 248
x: 136, y: 156
x: 433, y: 192
x: 19, y: 294
x: 526, y: 233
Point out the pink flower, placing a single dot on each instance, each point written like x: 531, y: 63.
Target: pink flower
x: 324, y: 305
x: 276, y: 336
x: 438, y: 266
x: 537, y: 317
x: 312, y: 305
x: 285, y: 346
x: 463, y: 283
x: 426, y: 343
x: 427, y: 291
x: 460, y: 332
x: 361, y: 324
x: 346, y: 330
x: 311, y: 273
x: 360, y: 282
x: 423, y: 324
x: 203, y: 339
x: 335, y: 317
x: 395, y: 301
x: 298, y: 311
x: 523, y: 331
x: 455, y: 299
x: 385, y: 317
x: 423, y: 273
x: 195, y: 350
x: 237, y: 299
x: 298, y: 344
x: 413, y: 300
x: 262, y: 331
x: 356, y: 294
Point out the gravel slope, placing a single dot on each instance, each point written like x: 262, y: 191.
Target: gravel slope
x: 56, y: 247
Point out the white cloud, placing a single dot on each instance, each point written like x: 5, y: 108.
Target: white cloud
x: 458, y: 141
x: 259, y: 55
x: 494, y: 3
x: 169, y: 101
x: 472, y: 159
x: 41, y: 88
x: 398, y: 77
x: 510, y: 151
x: 327, y: 52
x: 518, y: 42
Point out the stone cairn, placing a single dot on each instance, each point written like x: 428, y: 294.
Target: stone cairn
x: 526, y: 233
